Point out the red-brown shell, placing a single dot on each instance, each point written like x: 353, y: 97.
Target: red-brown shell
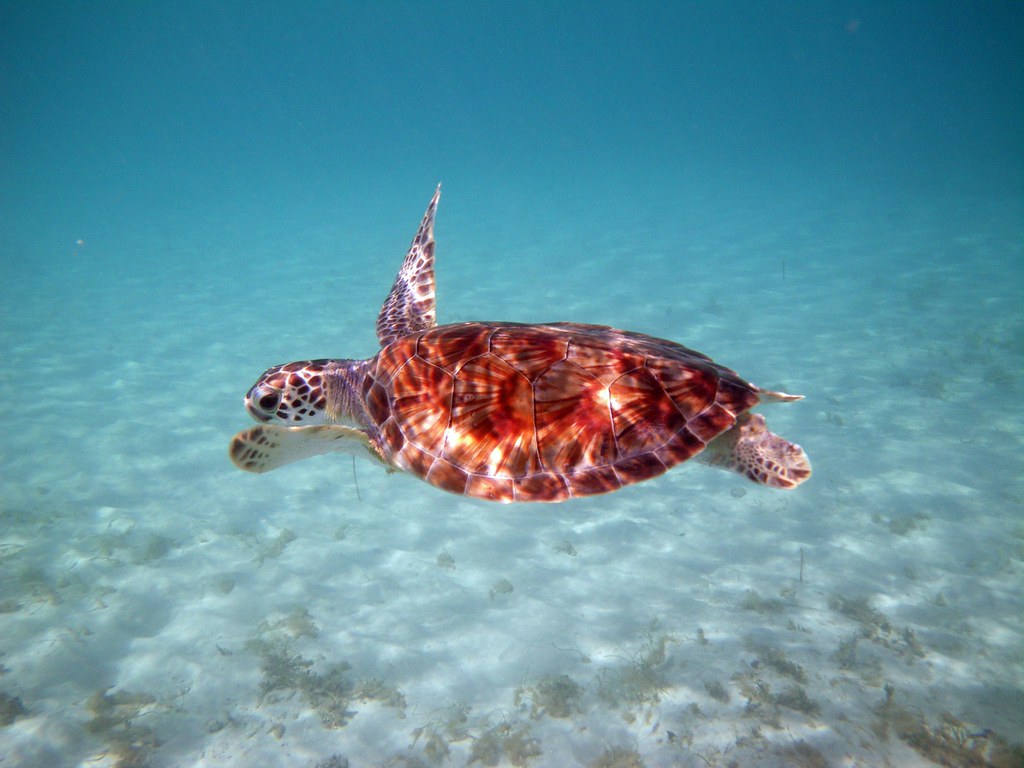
x: 509, y: 412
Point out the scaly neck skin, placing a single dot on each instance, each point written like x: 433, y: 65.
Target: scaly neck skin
x: 343, y: 381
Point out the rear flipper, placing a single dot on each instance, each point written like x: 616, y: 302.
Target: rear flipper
x: 269, y: 446
x: 750, y: 449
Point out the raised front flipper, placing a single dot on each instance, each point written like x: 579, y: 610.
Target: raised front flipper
x: 410, y: 305
x: 269, y: 446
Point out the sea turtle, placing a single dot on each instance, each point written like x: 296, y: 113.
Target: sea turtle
x: 514, y: 412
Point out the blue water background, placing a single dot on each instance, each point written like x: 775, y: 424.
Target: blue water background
x: 828, y: 197
x: 150, y: 121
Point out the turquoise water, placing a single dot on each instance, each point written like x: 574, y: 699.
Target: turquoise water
x: 829, y: 200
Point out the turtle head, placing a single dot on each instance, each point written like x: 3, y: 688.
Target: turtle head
x: 292, y: 394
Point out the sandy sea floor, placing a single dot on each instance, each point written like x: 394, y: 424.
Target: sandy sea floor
x: 158, y: 607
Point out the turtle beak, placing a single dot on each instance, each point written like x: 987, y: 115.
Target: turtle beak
x: 258, y: 403
x: 260, y: 417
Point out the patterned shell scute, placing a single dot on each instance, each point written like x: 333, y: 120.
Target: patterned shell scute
x: 545, y: 412
x: 452, y: 346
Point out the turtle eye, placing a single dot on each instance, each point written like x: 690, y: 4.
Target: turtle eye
x: 268, y: 403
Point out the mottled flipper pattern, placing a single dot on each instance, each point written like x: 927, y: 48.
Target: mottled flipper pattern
x: 750, y: 449
x: 269, y: 446
x: 410, y: 305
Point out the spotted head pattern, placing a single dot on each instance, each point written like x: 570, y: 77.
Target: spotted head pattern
x: 295, y: 393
